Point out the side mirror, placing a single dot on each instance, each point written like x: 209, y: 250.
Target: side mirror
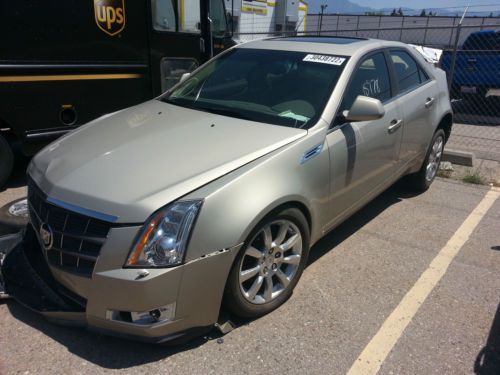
x: 184, y: 77
x: 365, y: 109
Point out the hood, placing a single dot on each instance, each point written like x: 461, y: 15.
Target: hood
x: 133, y: 162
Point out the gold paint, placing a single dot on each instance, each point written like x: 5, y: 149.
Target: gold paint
x: 70, y: 77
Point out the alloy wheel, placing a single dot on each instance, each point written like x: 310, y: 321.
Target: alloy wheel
x: 434, y: 158
x: 270, y: 261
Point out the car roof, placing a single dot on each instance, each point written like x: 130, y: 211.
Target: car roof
x: 344, y: 46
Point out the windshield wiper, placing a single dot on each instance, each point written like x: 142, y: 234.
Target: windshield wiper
x: 224, y: 112
x: 173, y: 100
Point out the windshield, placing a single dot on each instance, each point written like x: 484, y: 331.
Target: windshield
x: 276, y: 87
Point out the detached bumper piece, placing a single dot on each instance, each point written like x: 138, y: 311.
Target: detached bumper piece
x: 27, y: 278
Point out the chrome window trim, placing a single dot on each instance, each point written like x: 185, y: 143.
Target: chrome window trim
x: 419, y: 66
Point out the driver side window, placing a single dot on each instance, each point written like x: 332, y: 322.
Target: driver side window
x: 218, y: 17
x: 176, y: 15
x: 371, y: 78
x: 163, y: 13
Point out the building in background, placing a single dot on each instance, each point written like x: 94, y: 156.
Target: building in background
x: 261, y: 18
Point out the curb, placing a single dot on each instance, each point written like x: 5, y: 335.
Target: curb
x: 458, y: 157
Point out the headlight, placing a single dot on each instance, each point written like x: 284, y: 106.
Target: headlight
x: 163, y: 240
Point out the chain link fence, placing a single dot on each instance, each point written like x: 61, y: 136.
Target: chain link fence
x: 468, y: 49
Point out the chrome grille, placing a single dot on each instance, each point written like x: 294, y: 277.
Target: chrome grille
x: 77, y: 239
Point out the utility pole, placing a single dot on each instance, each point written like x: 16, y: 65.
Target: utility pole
x: 323, y: 7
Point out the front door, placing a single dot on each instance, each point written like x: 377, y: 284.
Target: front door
x: 364, y: 155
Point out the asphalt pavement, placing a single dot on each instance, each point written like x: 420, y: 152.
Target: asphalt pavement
x: 483, y: 141
x: 358, y: 276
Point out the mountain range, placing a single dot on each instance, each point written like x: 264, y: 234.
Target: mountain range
x: 350, y: 7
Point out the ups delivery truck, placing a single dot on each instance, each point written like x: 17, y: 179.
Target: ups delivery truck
x: 66, y: 62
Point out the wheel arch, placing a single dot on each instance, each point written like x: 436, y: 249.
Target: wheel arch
x: 446, y: 124
x: 276, y: 207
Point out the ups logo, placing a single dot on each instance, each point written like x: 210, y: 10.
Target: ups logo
x: 110, y: 15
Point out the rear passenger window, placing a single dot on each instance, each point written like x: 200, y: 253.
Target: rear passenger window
x: 370, y: 79
x: 408, y: 73
x: 423, y: 75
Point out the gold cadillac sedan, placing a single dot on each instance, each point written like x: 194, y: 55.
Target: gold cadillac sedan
x: 147, y: 222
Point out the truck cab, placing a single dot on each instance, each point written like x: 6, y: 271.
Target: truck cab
x: 66, y: 63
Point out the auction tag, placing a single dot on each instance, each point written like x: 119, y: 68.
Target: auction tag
x: 325, y: 59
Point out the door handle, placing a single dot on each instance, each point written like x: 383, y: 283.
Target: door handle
x: 429, y: 102
x: 395, y: 125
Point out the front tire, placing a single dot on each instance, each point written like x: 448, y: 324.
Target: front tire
x: 15, y: 214
x: 269, y: 265
x: 422, y: 180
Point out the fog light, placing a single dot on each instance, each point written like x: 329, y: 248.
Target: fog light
x: 159, y: 315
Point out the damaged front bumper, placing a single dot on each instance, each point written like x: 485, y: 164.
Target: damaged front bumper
x: 7, y: 243
x: 193, y: 290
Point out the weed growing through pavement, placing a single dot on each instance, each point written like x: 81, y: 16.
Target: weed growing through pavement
x: 473, y: 177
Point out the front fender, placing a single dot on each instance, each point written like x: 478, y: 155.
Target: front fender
x: 235, y: 203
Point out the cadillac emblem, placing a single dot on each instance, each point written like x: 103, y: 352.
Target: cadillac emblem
x: 46, y: 236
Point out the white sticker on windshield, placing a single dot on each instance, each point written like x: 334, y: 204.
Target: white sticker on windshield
x: 325, y: 59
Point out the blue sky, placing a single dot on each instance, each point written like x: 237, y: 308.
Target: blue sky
x: 419, y: 4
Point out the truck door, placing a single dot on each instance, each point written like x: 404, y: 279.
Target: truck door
x: 182, y: 36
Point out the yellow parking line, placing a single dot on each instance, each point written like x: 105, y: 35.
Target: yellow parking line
x: 374, y: 354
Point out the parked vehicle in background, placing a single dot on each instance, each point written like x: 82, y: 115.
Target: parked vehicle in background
x: 475, y: 74
x: 65, y: 63
x: 145, y: 222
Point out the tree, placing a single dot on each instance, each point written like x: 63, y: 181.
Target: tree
x: 422, y: 13
x: 394, y: 12
x: 491, y: 15
x: 400, y: 12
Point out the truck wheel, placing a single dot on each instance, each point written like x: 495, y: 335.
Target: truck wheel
x: 269, y: 265
x: 422, y: 180
x: 6, y: 161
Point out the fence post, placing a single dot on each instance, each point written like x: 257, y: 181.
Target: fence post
x: 379, y: 23
x: 451, y: 34
x: 401, y: 30
x: 425, y: 32
x: 454, y: 57
x: 357, y: 27
x: 455, y: 48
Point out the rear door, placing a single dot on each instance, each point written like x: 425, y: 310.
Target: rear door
x: 364, y: 155
x: 418, y: 95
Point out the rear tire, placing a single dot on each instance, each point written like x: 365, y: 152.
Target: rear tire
x: 6, y: 161
x: 422, y: 180
x: 269, y: 265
